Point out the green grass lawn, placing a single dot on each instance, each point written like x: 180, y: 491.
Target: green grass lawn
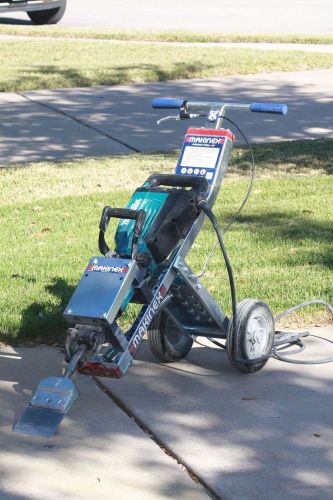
x: 281, y: 248
x: 46, y: 64
x: 161, y: 36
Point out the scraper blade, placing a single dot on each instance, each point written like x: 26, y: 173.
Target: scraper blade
x: 47, y: 408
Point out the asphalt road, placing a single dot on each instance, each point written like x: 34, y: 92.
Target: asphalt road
x: 264, y: 16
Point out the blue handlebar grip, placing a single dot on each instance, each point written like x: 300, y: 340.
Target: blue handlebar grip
x: 167, y: 103
x: 268, y: 107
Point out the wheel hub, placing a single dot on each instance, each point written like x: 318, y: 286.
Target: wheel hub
x: 257, y: 336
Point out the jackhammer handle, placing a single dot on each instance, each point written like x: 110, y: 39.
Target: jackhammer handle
x: 199, y: 184
x: 120, y: 213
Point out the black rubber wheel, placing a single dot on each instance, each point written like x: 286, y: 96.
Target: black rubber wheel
x: 48, y: 16
x: 254, y: 335
x: 166, y: 341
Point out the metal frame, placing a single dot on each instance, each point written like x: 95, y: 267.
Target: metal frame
x: 208, y: 319
x: 96, y: 345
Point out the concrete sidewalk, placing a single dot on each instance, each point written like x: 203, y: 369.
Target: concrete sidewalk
x: 99, y: 453
x: 74, y: 123
x: 261, y: 436
x: 253, y: 437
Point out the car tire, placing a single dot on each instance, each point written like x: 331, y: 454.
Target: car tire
x: 49, y: 16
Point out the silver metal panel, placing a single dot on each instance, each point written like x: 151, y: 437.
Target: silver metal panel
x: 101, y: 290
x: 186, y: 244
x: 201, y: 291
x: 55, y: 393
x: 49, y: 405
x: 39, y: 422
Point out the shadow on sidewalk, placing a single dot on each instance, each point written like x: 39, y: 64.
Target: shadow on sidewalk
x: 31, y: 132
x: 257, y: 436
x: 98, y: 451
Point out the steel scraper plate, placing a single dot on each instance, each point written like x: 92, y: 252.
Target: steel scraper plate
x: 39, y: 422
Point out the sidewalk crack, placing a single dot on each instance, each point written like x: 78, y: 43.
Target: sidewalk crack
x: 80, y: 121
x: 164, y: 447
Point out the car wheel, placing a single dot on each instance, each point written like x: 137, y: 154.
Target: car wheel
x: 49, y: 16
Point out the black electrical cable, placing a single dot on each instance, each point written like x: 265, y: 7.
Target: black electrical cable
x: 211, y: 217
x: 223, y: 346
x: 275, y: 351
x: 203, y: 206
x: 245, y: 199
x: 253, y: 173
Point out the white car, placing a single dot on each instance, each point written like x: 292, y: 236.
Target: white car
x: 39, y: 11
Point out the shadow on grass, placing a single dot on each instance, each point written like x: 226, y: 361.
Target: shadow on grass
x: 290, y: 225
x: 298, y: 230
x: 290, y: 157
x: 43, y: 322
x: 52, y: 76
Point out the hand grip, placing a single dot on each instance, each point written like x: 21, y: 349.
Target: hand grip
x: 269, y: 107
x: 167, y: 103
x: 120, y: 213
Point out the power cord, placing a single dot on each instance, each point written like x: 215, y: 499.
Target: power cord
x: 276, y: 349
x: 203, y: 205
x: 247, y: 196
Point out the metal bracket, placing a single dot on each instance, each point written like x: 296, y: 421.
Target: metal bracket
x: 205, y: 298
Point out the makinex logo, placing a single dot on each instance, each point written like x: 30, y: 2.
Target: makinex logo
x: 106, y: 269
x: 147, y: 317
x: 204, y: 140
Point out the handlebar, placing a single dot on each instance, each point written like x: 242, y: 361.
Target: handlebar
x: 255, y: 107
x: 269, y: 107
x: 167, y: 103
x: 198, y: 184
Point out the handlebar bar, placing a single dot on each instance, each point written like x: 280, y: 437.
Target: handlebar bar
x: 255, y: 107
